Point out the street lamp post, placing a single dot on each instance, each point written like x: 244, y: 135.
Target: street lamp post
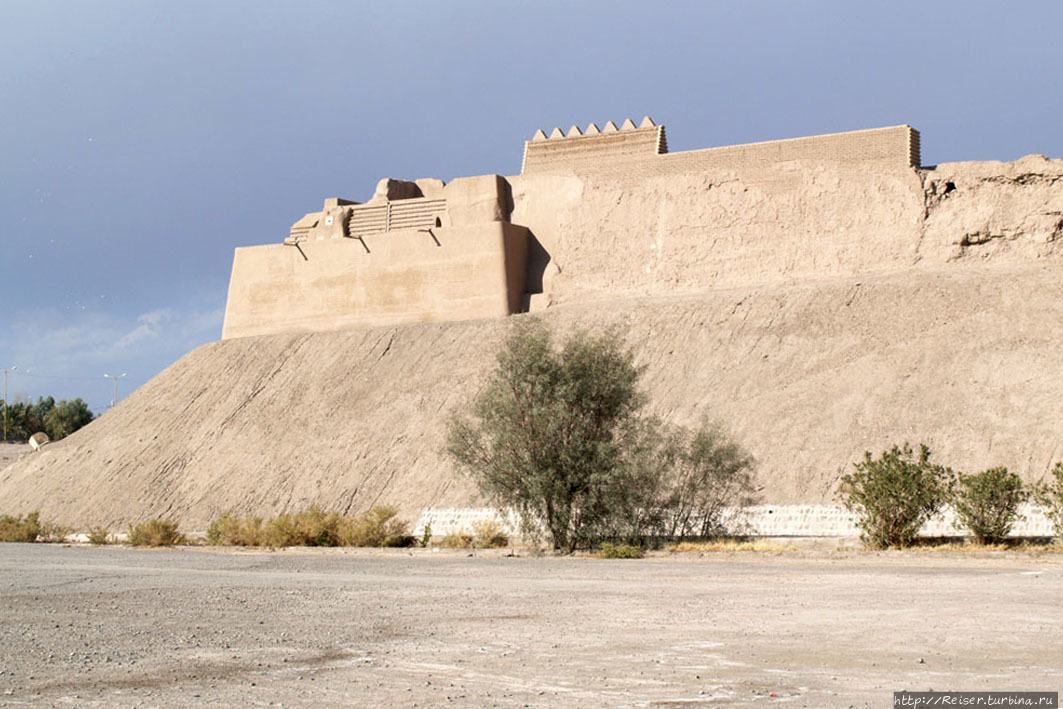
x: 115, y: 377
x: 5, y: 400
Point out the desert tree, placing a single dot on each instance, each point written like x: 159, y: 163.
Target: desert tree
x: 560, y: 435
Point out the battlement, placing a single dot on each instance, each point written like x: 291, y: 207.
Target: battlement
x: 581, y: 151
x: 643, y: 151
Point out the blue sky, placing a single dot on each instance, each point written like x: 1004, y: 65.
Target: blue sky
x: 141, y: 142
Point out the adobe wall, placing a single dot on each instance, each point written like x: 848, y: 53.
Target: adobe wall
x: 611, y: 213
x: 641, y: 232
x: 402, y: 277
x: 403, y: 257
x: 643, y: 152
x: 648, y: 222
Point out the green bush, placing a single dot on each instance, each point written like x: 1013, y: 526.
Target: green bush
x: 895, y: 494
x: 1049, y: 495
x: 988, y: 503
x: 609, y: 550
x: 489, y: 534
x: 20, y: 529
x: 99, y: 536
x: 155, y: 533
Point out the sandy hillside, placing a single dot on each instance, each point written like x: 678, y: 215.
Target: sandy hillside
x: 820, y: 312
x: 11, y: 452
x: 965, y: 358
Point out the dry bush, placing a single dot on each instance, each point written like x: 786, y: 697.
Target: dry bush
x: 732, y: 545
x: 282, y: 531
x: 155, y: 533
x: 379, y: 527
x: 489, y: 534
x: 608, y: 550
x: 229, y: 530
x: 99, y: 536
x: 20, y: 529
x: 323, y: 529
x: 53, y: 533
x: 457, y: 539
x: 312, y: 528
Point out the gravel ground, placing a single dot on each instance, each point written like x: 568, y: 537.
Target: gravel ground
x: 311, y: 628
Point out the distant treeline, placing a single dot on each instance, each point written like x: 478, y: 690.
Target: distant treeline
x: 58, y: 420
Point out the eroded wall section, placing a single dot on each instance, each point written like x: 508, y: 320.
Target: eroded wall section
x: 402, y: 258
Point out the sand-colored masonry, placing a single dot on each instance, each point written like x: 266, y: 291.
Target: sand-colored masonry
x: 606, y: 212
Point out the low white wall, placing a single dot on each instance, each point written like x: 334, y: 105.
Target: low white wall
x: 759, y: 520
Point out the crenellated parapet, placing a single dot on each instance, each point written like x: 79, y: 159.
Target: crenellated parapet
x: 642, y: 151
x: 579, y: 150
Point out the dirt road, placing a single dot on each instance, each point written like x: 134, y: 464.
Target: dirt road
x: 168, y: 628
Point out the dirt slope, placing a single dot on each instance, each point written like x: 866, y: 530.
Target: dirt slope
x: 964, y: 357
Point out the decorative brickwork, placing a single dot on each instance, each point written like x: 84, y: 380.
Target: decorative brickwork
x: 364, y: 219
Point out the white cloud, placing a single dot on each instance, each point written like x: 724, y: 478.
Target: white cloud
x: 149, y: 325
x: 65, y: 353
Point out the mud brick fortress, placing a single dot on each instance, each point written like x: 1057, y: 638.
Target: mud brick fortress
x: 822, y: 296
x: 488, y: 246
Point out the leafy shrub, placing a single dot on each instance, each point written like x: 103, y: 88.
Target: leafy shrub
x: 707, y: 473
x: 53, y: 533
x: 608, y: 550
x: 489, y: 534
x: 457, y: 539
x: 1049, y: 495
x: 230, y: 530
x: 99, y: 536
x: 155, y: 533
x: 426, y: 536
x: 20, y: 529
x: 988, y: 503
x: 895, y: 494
